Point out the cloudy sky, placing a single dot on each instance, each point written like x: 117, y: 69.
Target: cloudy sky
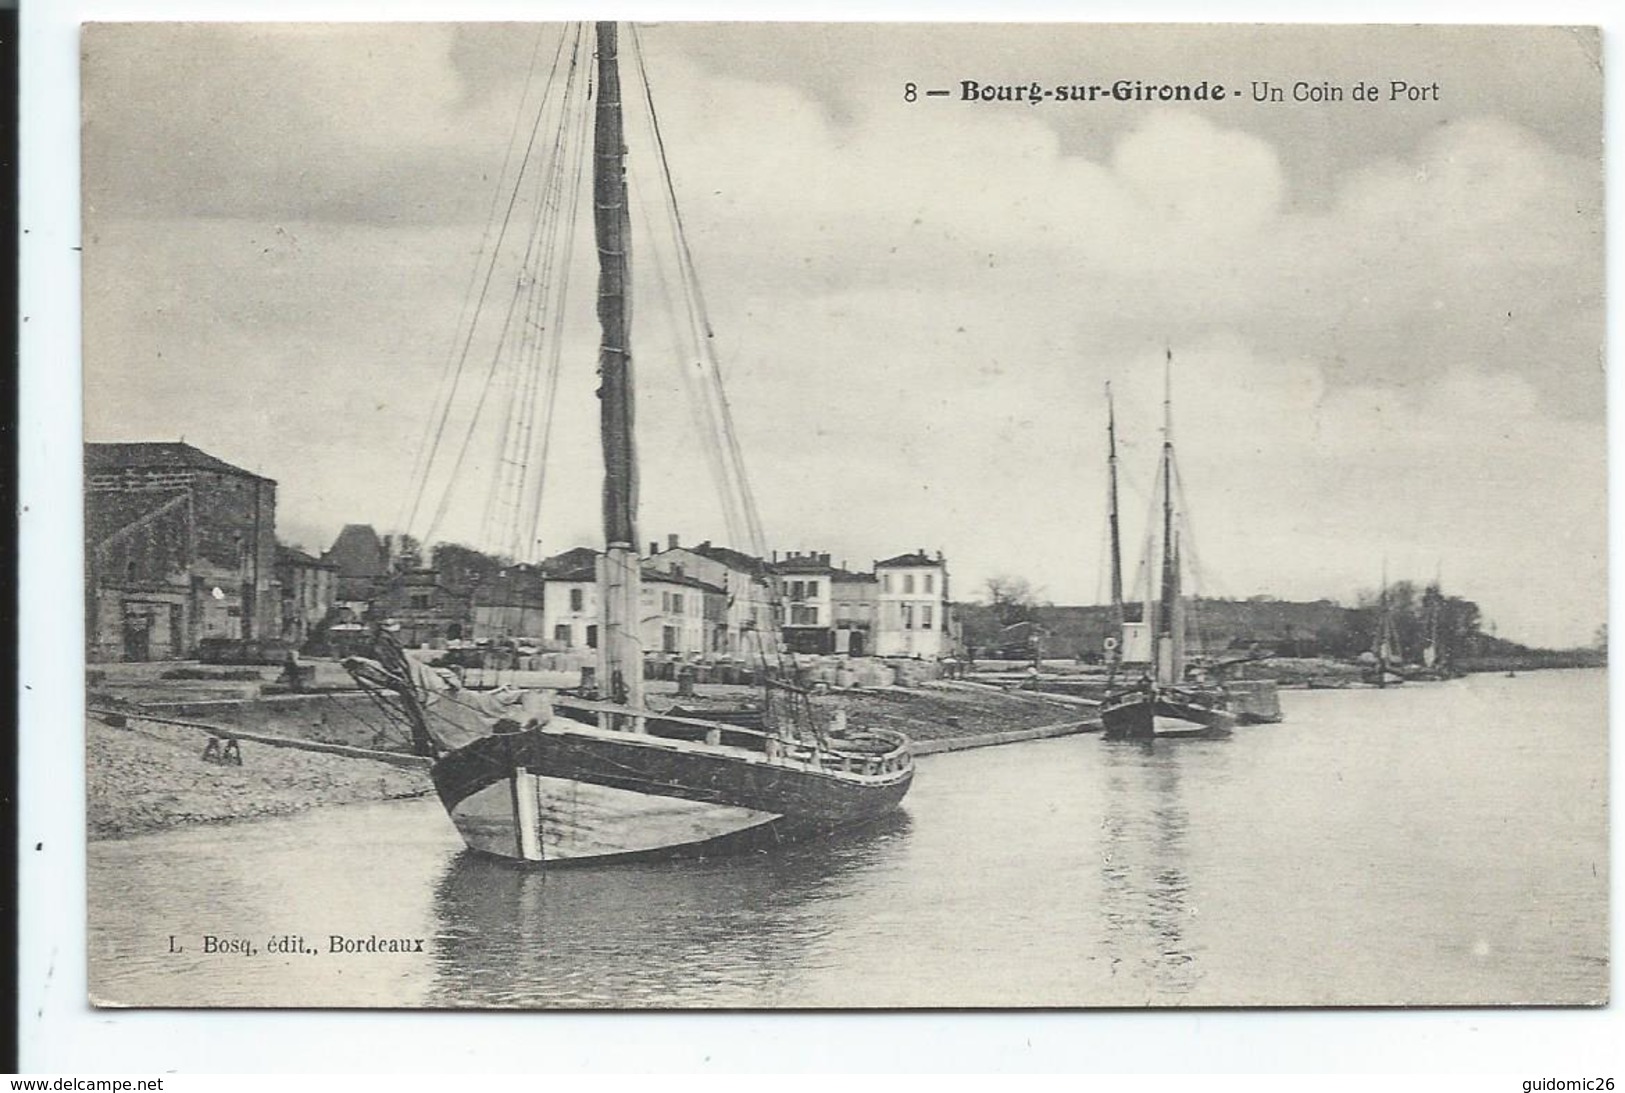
x: 1386, y: 318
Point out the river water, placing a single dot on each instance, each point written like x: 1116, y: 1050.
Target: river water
x: 1433, y: 843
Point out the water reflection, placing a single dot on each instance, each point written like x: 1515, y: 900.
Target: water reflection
x: 1146, y: 904
x: 719, y: 932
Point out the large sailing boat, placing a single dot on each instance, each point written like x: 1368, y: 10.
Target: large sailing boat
x: 609, y: 777
x: 1161, y: 703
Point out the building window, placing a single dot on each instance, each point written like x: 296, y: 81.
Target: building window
x: 803, y: 615
x: 561, y: 633
x: 668, y: 638
x: 908, y: 584
x: 908, y: 615
x: 676, y: 603
x: 925, y: 615
x: 592, y: 636
x: 929, y: 581
x: 576, y: 598
x: 420, y: 601
x: 812, y: 590
x: 885, y: 583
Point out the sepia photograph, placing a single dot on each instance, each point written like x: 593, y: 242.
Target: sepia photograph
x: 844, y: 516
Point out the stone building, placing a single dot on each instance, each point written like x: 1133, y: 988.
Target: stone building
x: 744, y: 610
x: 361, y: 562
x: 508, y: 605
x: 180, y: 546
x: 309, y: 589
x: 681, y: 614
x: 421, y: 610
x: 805, y: 584
x: 854, y: 601
x: 912, y: 606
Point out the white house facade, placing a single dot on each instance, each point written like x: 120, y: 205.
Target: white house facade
x: 912, y: 606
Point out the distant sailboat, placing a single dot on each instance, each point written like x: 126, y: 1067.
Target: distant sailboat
x: 1162, y: 703
x: 1384, y: 643
x: 1435, y: 661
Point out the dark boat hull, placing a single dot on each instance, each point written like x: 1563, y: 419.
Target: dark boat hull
x: 573, y: 792
x: 1157, y: 713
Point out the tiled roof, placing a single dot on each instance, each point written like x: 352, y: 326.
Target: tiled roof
x: 570, y: 561
x: 919, y: 557
x: 287, y: 555
x: 803, y: 565
x: 656, y: 576
x: 579, y: 575
x: 733, y: 559
x: 358, y: 552
x: 588, y: 574
x: 156, y: 455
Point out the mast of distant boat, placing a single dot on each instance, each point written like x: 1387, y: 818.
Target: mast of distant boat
x: 620, y: 653
x: 1168, y: 652
x: 1115, y: 652
x: 1380, y: 648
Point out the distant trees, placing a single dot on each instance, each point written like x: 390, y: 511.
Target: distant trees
x: 1012, y: 599
x: 462, y: 567
x: 1316, y: 628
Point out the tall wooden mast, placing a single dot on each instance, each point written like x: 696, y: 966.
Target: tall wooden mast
x: 620, y: 652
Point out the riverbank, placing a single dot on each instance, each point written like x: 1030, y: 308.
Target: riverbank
x: 149, y: 777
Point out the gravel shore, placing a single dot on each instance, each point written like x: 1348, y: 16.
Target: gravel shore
x: 150, y: 777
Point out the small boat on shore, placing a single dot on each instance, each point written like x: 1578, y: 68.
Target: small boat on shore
x: 1162, y: 702
x: 540, y: 778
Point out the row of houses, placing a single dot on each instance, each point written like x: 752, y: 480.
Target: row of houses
x: 181, y: 548
x: 698, y: 600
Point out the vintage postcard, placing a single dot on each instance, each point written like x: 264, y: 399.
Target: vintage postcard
x: 750, y: 516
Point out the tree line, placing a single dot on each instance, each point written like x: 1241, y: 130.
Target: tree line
x: 1418, y: 614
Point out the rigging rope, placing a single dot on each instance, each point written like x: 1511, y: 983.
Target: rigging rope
x: 468, y: 342
x: 536, y: 286
x: 734, y: 465
x: 720, y: 430
x: 452, y: 367
x: 533, y: 491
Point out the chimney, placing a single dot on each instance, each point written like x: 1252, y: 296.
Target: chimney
x: 671, y: 542
x: 775, y: 555
x: 654, y: 548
